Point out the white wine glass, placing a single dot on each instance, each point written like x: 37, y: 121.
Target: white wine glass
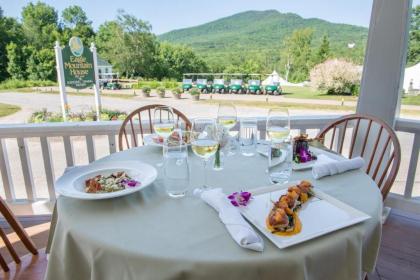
x: 204, y: 142
x: 163, y: 123
x: 227, y: 117
x: 280, y: 147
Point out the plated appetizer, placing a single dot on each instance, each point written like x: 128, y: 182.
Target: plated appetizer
x: 116, y: 181
x: 174, y: 137
x: 283, y: 219
x: 301, y: 152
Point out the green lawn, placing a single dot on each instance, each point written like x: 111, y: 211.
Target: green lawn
x: 411, y: 100
x: 7, y: 109
x: 309, y: 93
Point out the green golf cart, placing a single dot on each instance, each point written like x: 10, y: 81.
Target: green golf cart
x: 272, y: 85
x: 113, y: 85
x: 187, y: 84
x: 254, y: 84
x: 236, y: 86
x: 219, y: 86
x: 202, y: 85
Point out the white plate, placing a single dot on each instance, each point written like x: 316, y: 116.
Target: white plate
x: 148, y: 140
x: 72, y: 183
x: 319, y: 216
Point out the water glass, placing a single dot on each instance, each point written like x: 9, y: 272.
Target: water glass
x: 280, y: 155
x: 176, y: 171
x: 248, y: 136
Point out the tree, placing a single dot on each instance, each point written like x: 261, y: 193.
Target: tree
x: 297, y: 53
x: 73, y: 16
x: 128, y: 44
x: 39, y: 23
x: 413, y: 56
x: 76, y: 23
x: 336, y: 76
x: 323, y: 51
x: 175, y: 60
x: 41, y: 65
x: 16, y: 57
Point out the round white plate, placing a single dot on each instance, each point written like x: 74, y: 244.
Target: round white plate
x: 148, y: 140
x: 72, y: 183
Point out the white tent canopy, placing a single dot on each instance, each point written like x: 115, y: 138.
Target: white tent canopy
x: 412, y: 78
x: 274, y: 78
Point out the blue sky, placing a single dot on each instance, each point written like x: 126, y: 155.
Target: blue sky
x: 166, y: 15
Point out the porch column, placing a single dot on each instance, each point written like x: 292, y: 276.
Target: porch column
x: 385, y: 59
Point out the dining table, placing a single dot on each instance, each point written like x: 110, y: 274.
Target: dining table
x: 149, y: 235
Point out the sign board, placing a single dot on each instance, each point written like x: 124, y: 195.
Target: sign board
x: 78, y: 65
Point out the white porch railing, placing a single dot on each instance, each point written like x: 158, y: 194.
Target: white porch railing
x: 27, y: 135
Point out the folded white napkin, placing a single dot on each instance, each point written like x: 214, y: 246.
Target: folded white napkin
x: 326, y: 166
x: 238, y: 228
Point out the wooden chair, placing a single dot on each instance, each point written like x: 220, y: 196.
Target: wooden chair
x: 20, y: 232
x: 134, y: 120
x: 371, y: 139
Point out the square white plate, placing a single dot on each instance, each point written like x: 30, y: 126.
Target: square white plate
x: 320, y: 215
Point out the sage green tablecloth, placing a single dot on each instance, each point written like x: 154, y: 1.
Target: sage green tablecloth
x: 149, y: 236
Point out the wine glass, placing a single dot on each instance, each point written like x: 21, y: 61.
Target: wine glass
x: 227, y: 117
x: 280, y: 147
x: 204, y: 142
x: 163, y: 123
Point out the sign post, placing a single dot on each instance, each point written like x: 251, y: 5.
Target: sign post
x: 61, y: 82
x: 77, y: 68
x: 96, y: 86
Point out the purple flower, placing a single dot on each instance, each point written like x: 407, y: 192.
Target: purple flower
x: 239, y: 198
x: 130, y: 183
x: 304, y: 155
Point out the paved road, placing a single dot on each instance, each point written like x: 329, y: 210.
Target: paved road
x: 31, y: 102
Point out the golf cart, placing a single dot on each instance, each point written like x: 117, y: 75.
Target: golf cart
x: 236, y: 85
x: 113, y: 85
x: 201, y: 85
x: 219, y: 86
x: 187, y: 83
x: 254, y: 84
x: 272, y: 84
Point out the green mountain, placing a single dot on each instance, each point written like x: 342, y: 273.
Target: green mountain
x: 261, y: 33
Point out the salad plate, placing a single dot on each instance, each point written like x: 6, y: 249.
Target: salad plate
x: 114, y: 179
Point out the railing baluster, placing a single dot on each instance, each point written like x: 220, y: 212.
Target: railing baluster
x: 26, y: 168
x: 68, y: 149
x: 111, y: 142
x: 48, y: 166
x: 5, y: 172
x: 411, y: 174
x: 90, y: 148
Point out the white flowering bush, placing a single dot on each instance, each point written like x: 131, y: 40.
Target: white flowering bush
x: 337, y: 77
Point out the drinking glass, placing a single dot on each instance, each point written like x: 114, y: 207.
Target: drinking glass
x: 248, y: 136
x: 227, y: 117
x: 163, y: 123
x: 176, y: 171
x: 204, y: 142
x: 280, y: 148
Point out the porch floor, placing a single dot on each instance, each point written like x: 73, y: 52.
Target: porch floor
x: 399, y: 256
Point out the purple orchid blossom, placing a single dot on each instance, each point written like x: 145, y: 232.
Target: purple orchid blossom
x: 130, y: 183
x: 304, y: 155
x: 239, y: 198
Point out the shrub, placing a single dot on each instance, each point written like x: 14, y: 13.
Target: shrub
x: 154, y: 84
x: 12, y: 84
x: 169, y: 83
x: 177, y: 90
x: 106, y: 115
x: 194, y: 91
x: 146, y: 89
x: 161, y: 90
x: 336, y: 77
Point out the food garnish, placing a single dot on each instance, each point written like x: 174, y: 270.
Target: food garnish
x: 301, y: 152
x: 116, y: 181
x: 239, y: 198
x: 283, y: 219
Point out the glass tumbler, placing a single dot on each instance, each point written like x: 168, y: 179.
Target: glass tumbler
x: 248, y: 136
x: 176, y: 171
